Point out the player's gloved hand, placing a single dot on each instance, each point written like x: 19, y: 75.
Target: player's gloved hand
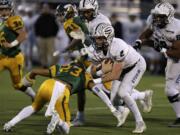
x: 157, y: 46
x: 75, y: 54
x: 137, y: 44
x: 88, y: 40
x: 27, y: 81
x: 83, y: 51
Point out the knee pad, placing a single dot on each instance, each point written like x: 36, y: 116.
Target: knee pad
x: 174, y: 98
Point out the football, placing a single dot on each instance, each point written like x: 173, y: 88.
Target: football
x: 108, y: 60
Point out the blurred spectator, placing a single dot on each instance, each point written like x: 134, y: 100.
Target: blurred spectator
x: 31, y: 39
x: 61, y: 42
x: 132, y: 28
x: 46, y: 29
x: 117, y: 25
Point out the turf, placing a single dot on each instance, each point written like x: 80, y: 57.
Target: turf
x: 99, y: 120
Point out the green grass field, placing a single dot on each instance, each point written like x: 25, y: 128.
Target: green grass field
x: 99, y: 120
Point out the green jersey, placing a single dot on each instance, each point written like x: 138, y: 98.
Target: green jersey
x: 73, y: 74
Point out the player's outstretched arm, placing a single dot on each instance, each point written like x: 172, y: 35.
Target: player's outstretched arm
x: 40, y: 72
x: 143, y: 39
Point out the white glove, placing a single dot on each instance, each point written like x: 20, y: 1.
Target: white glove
x: 83, y: 51
x: 27, y: 81
x: 164, y: 50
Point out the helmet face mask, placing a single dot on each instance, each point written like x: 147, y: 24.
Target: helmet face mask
x: 5, y: 9
x: 88, y: 14
x: 89, y: 9
x: 162, y: 14
x: 101, y: 43
x: 65, y: 12
x: 160, y: 20
x: 103, y: 35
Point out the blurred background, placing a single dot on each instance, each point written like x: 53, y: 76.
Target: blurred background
x: 128, y: 17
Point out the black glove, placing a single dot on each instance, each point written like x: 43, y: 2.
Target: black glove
x: 137, y: 44
x: 159, y: 45
x: 88, y: 40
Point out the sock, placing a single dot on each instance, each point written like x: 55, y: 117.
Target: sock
x: 133, y: 107
x: 114, y: 89
x: 23, y: 114
x: 137, y: 95
x: 103, y: 97
x: 30, y: 92
x: 120, y: 108
x: 80, y: 115
x: 176, y: 107
x: 57, y: 92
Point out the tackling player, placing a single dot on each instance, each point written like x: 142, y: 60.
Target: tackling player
x: 88, y: 10
x: 12, y: 34
x: 67, y: 80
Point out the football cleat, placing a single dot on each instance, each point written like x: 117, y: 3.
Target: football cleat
x: 118, y: 115
x: 123, y: 117
x: 63, y: 127
x: 54, y: 121
x: 147, y: 102
x: 78, y: 122
x: 7, y: 127
x: 176, y: 123
x: 140, y: 127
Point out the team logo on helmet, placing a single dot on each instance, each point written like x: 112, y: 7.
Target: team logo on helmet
x: 105, y: 30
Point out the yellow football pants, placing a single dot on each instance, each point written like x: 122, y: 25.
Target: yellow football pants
x: 44, y: 95
x: 15, y: 66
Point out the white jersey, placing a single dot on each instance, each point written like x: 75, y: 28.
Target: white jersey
x: 166, y: 35
x: 121, y: 51
x: 100, y: 18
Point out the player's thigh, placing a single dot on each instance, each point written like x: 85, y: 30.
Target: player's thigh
x: 15, y: 66
x: 172, y: 78
x: 62, y: 106
x: 2, y: 63
x: 44, y: 94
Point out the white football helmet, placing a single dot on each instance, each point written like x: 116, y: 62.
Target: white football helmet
x: 163, y: 9
x: 67, y: 11
x: 89, y: 4
x: 8, y: 6
x: 104, y: 30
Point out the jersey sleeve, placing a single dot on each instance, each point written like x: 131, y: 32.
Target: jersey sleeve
x: 53, y: 70
x: 118, y: 51
x: 81, y: 23
x: 15, y: 23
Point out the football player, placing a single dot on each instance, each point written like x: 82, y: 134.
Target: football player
x: 77, y: 30
x: 66, y: 80
x: 127, y: 70
x: 88, y: 10
x: 12, y: 34
x: 163, y: 34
